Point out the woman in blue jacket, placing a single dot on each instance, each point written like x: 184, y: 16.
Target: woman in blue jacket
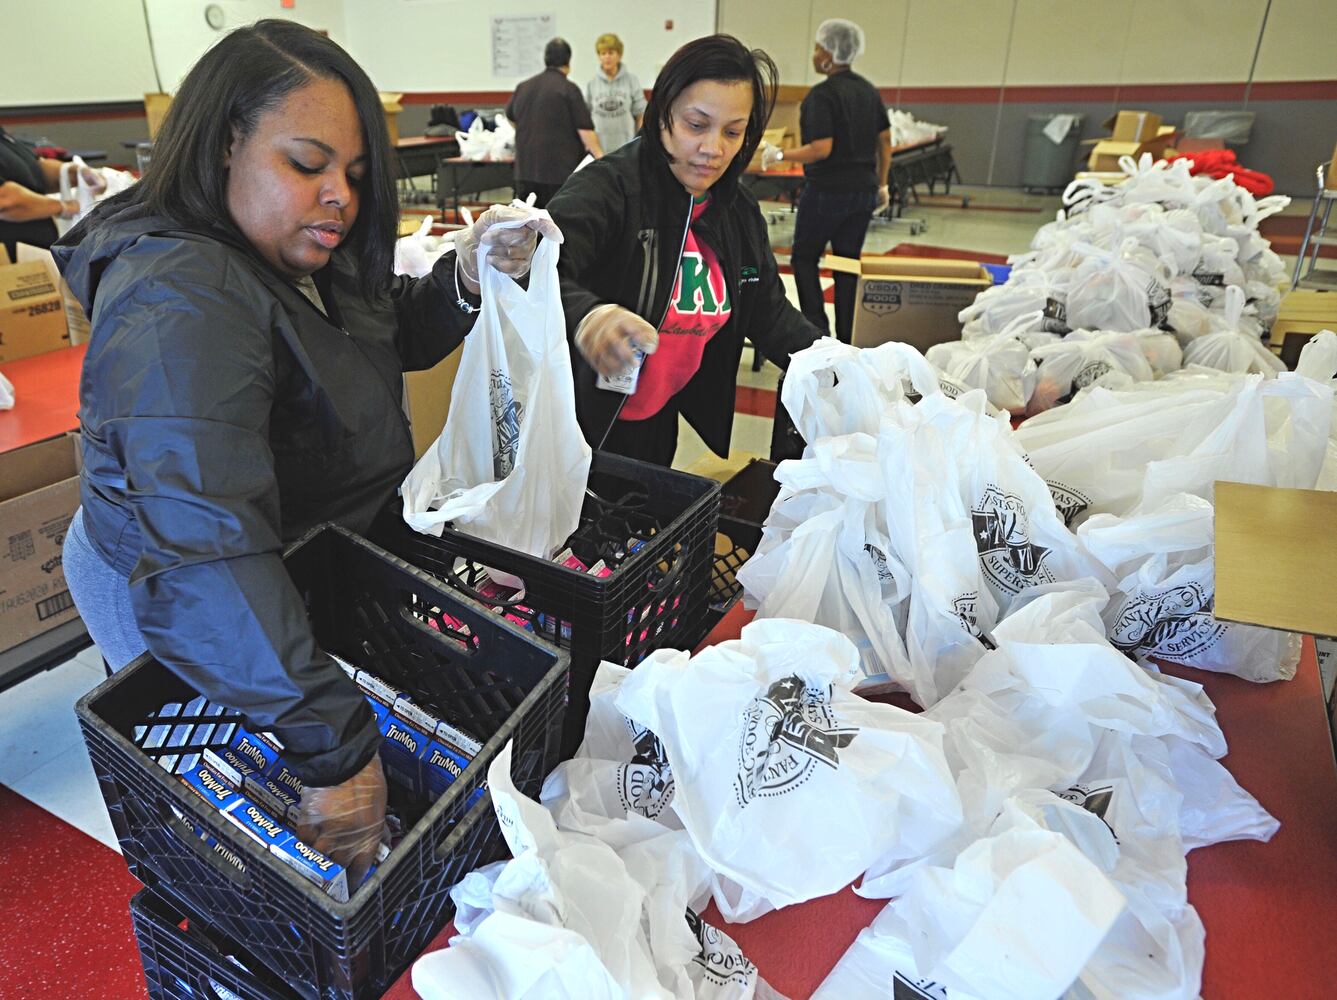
x: 243, y: 384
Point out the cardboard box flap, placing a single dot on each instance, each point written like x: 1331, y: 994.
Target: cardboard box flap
x: 909, y: 267
x: 391, y: 102
x: 36, y: 466
x: 1308, y: 303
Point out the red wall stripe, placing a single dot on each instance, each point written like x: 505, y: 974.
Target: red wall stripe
x: 1113, y: 94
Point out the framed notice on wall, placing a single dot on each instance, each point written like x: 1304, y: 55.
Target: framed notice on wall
x: 517, y: 43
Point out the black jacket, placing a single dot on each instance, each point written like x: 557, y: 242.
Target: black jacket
x: 624, y: 219
x: 222, y: 417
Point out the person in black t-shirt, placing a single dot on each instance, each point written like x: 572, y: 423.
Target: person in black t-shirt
x: 26, y: 213
x: 553, y: 128
x: 846, y: 154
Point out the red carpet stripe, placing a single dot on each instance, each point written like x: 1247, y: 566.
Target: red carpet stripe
x: 754, y: 401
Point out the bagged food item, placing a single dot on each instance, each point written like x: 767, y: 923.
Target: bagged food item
x: 1121, y: 289
x: 1083, y: 358
x: 1000, y: 365
x: 763, y: 730
x: 1163, y: 560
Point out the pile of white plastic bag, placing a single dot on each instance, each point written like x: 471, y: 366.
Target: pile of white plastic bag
x: 1031, y: 825
x: 906, y: 130
x: 483, y: 143
x: 1163, y: 253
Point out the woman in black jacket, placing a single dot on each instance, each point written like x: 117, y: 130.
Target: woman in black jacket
x: 666, y: 256
x: 243, y: 385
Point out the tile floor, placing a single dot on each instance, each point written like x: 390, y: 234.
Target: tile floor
x: 42, y: 755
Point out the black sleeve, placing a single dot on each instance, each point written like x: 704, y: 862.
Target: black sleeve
x: 588, y: 209
x: 191, y: 375
x: 431, y: 321
x: 817, y: 118
x: 777, y: 327
x: 580, y: 111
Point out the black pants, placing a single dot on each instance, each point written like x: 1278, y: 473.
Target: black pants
x: 653, y: 440
x: 841, y: 219
x: 542, y: 192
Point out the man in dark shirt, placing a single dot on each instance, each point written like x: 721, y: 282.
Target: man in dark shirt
x: 846, y: 154
x: 553, y: 128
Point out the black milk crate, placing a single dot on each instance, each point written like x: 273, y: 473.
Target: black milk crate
x: 745, y: 502
x: 377, y: 612
x: 186, y: 959
x: 654, y: 599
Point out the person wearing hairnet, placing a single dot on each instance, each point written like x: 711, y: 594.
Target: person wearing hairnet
x: 846, y: 154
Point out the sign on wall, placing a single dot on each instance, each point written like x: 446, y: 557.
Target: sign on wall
x: 517, y: 43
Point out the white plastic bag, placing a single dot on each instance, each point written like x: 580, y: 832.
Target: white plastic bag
x: 1083, y: 358
x: 1163, y: 560
x: 1231, y: 351
x: 477, y: 143
x: 1001, y: 365
x: 416, y: 253
x: 73, y: 186
x: 1120, y: 289
x: 511, y: 465
x: 6, y: 393
x: 762, y: 731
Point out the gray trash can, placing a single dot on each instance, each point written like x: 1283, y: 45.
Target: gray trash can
x: 1047, y: 165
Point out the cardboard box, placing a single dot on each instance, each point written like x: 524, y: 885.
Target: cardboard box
x: 39, y: 493
x: 910, y: 299
x: 1330, y: 182
x: 155, y: 110
x: 390, y: 104
x: 1106, y: 153
x: 75, y: 318
x: 1133, y: 126
x: 32, y: 312
x: 1304, y: 311
x: 427, y: 399
x: 785, y: 114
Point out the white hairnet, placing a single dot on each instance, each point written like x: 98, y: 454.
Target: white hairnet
x: 843, y: 39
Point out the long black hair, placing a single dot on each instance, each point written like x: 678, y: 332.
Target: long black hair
x: 724, y: 59
x: 251, y: 71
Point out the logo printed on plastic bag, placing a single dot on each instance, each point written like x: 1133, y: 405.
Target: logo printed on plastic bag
x: 882, y: 297
x: 879, y: 558
x: 645, y: 783
x: 965, y: 606
x: 1002, y: 537
x: 1176, y: 623
x: 787, y: 733
x: 1089, y: 372
x: 1054, y: 317
x: 1094, y: 799
x: 506, y: 416
x: 1068, y: 501
x: 720, y: 958
x: 903, y: 988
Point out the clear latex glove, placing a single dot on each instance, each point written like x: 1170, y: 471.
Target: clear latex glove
x: 608, y: 336
x: 510, y: 247
x: 94, y: 180
x: 770, y: 155
x: 883, y: 198
x: 346, y: 822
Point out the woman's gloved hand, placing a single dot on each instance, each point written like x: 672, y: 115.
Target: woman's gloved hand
x: 608, y: 336
x: 346, y: 822
x: 510, y: 249
x: 94, y: 179
x: 770, y: 155
x: 883, y: 198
